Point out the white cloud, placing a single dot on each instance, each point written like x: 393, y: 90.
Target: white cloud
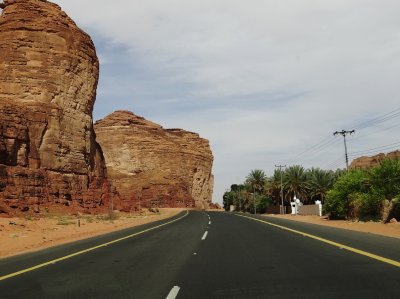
x: 254, y: 77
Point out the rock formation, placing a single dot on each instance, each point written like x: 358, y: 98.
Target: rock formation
x: 48, y: 78
x: 156, y: 166
x: 365, y: 162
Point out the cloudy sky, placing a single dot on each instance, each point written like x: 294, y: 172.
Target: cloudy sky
x: 266, y: 81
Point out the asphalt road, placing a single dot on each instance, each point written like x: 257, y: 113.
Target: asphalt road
x: 211, y: 255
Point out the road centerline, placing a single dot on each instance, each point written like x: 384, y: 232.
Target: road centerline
x: 336, y: 244
x: 173, y: 293
x: 205, y: 235
x: 52, y: 262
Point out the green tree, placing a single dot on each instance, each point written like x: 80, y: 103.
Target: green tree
x: 295, y: 182
x: 347, y: 189
x: 256, y: 180
x: 319, y: 181
x: 228, y: 199
x: 272, y: 186
x: 262, y: 202
x: 367, y: 194
x: 338, y: 173
x: 385, y: 179
x: 236, y: 196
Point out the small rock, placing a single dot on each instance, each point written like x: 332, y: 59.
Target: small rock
x: 36, y: 209
x: 393, y: 220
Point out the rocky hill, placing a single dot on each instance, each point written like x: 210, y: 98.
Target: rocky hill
x: 48, y: 78
x: 154, y: 166
x: 365, y: 162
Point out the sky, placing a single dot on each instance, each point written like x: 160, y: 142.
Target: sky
x: 267, y: 82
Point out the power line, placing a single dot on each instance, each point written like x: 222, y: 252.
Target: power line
x: 379, y: 119
x: 315, y: 146
x: 322, y: 149
x: 328, y: 141
x: 383, y: 147
x: 333, y: 163
x: 313, y: 154
x: 375, y: 132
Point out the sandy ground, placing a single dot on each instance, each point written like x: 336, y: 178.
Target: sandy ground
x: 20, y: 235
x: 388, y: 229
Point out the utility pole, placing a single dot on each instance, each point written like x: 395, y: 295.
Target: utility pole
x: 280, y: 170
x: 344, y: 133
x: 240, y: 200
x: 254, y: 200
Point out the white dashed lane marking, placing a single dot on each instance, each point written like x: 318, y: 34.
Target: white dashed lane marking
x: 173, y: 293
x: 205, y: 235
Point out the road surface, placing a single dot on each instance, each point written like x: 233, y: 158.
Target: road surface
x: 211, y: 255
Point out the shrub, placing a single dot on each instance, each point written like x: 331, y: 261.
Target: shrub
x: 262, y: 202
x: 65, y: 221
x: 365, y: 206
x: 385, y: 178
x: 338, y: 199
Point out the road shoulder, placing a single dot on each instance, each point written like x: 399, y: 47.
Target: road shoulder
x: 377, y: 228
x: 23, y: 235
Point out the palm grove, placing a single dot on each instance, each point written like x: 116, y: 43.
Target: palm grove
x: 372, y: 193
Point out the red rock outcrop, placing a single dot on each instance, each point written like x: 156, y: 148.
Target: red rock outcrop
x: 48, y: 78
x: 366, y: 162
x: 160, y: 167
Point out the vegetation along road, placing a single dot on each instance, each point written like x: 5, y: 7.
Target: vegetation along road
x: 211, y: 255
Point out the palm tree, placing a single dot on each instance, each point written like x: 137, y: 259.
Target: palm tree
x: 256, y: 179
x: 272, y: 186
x: 338, y: 173
x: 295, y: 182
x: 320, y: 181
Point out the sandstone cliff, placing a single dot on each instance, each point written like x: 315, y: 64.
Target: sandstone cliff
x: 160, y: 167
x: 365, y: 162
x: 48, y: 78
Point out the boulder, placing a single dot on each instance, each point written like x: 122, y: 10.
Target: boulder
x: 155, y: 167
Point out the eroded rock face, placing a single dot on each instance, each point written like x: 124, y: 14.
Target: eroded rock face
x: 366, y: 162
x: 161, y: 167
x: 48, y: 78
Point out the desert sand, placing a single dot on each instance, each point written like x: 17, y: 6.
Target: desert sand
x: 379, y: 228
x: 21, y: 235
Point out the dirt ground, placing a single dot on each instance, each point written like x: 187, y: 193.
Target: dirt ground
x: 21, y: 235
x: 379, y: 228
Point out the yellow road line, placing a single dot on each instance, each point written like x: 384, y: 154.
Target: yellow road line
x: 87, y: 250
x: 341, y: 246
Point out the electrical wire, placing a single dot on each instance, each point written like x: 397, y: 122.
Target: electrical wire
x: 315, y: 146
x: 317, y: 151
x: 319, y: 148
x: 379, y: 119
x: 375, y: 132
x: 333, y: 163
x: 383, y: 147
